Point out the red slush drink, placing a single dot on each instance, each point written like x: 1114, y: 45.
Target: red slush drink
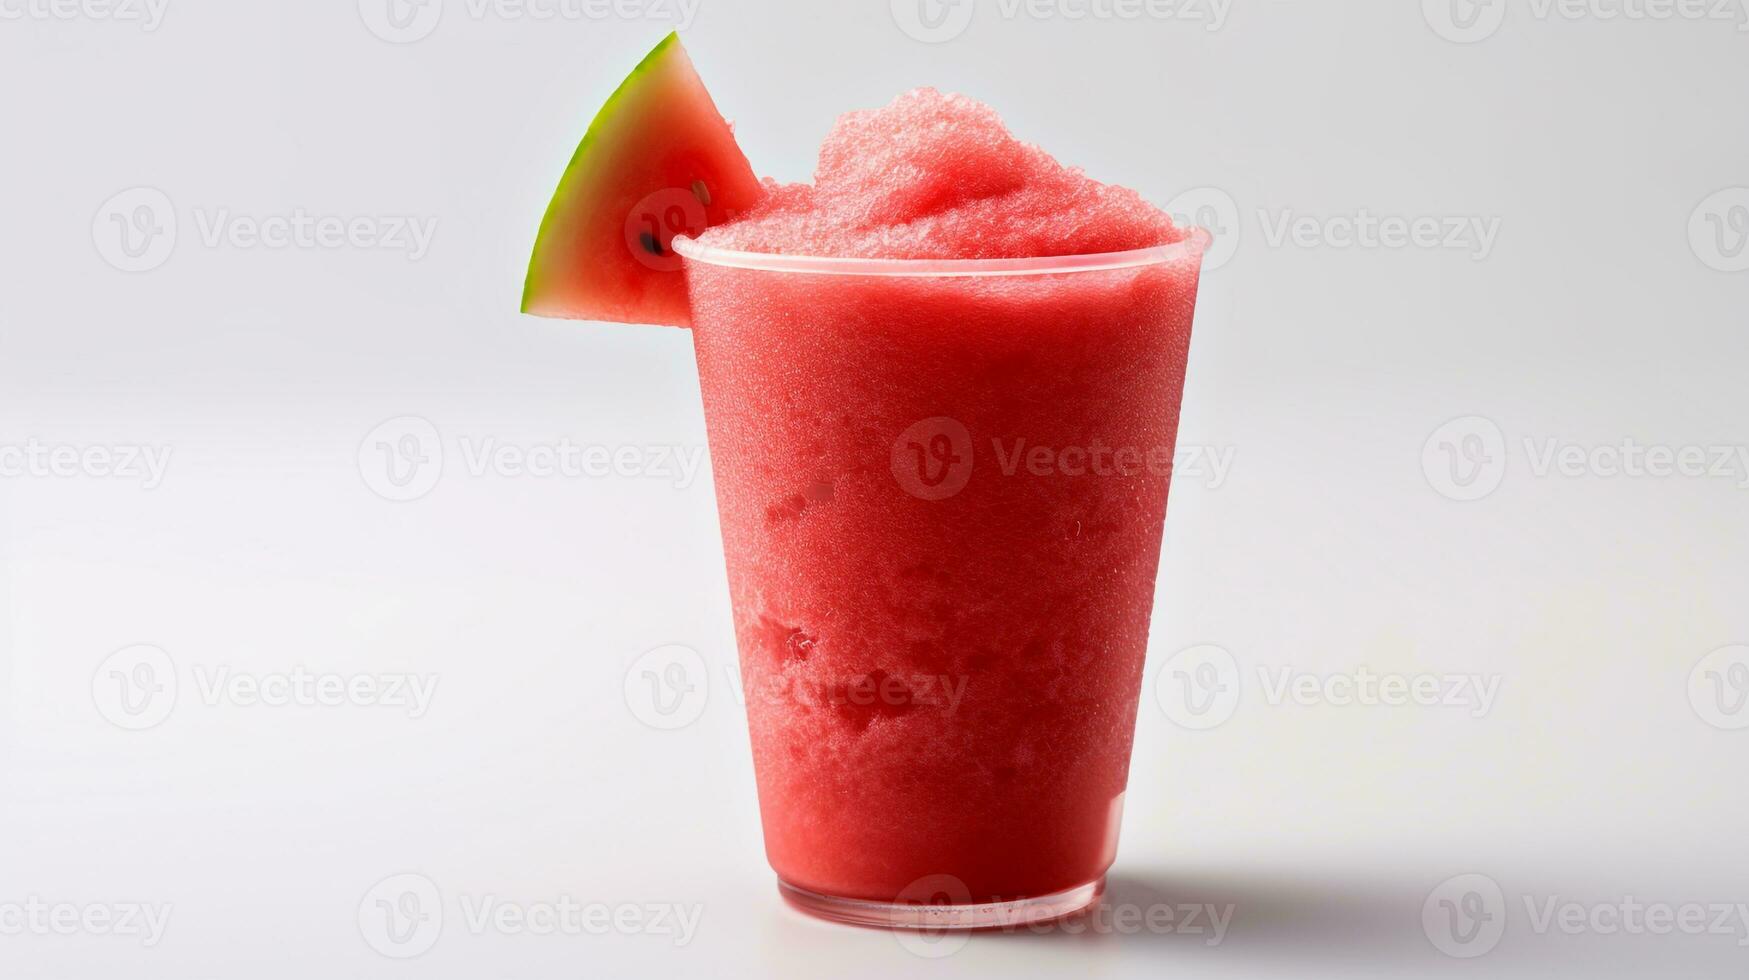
x: 942, y: 464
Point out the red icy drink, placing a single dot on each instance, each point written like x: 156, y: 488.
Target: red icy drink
x: 942, y: 388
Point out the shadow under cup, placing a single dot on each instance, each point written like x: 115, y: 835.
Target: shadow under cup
x: 942, y: 486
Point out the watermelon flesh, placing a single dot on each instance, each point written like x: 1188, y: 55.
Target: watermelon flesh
x: 658, y: 161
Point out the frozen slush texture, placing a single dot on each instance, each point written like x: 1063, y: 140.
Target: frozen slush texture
x: 939, y: 176
x: 941, y: 686
x: 942, y: 504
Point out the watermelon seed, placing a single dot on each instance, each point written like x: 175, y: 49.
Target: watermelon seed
x: 703, y: 193
x: 650, y: 243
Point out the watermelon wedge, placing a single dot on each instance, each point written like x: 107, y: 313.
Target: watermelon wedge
x: 658, y: 161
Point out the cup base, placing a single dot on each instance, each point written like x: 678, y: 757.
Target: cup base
x: 907, y: 915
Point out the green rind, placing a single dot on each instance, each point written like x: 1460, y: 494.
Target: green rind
x: 602, y: 121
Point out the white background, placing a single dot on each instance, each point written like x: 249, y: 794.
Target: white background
x: 1608, y: 305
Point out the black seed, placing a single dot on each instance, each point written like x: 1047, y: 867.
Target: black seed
x: 650, y: 243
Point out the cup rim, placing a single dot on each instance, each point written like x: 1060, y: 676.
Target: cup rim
x: 1194, y: 243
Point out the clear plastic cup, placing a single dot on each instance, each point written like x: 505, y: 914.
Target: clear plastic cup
x: 942, y: 486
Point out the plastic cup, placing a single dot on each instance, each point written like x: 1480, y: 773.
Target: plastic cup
x: 942, y: 486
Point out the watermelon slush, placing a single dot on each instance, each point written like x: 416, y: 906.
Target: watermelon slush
x: 938, y: 445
